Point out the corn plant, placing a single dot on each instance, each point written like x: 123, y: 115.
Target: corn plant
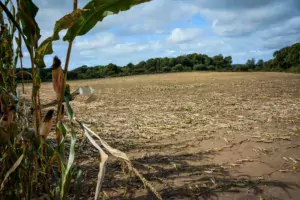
x: 30, y: 166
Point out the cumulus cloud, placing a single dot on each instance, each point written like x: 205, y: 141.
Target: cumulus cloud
x: 240, y: 22
x: 96, y: 41
x: 179, y: 35
x: 233, y: 4
x: 243, y: 29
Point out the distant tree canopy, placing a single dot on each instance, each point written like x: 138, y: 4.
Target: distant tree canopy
x: 285, y: 59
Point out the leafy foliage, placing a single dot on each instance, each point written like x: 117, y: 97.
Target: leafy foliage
x: 28, y: 11
x: 45, y: 47
x: 97, y: 10
x: 153, y: 65
x: 286, y: 59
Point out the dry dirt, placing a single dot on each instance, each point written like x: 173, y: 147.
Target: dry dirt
x: 195, y: 135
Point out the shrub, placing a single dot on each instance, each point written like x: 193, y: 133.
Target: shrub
x: 178, y: 68
x: 166, y: 69
x: 211, y: 68
x: 200, y: 67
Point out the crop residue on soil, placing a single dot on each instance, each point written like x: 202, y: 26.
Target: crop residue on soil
x: 195, y: 135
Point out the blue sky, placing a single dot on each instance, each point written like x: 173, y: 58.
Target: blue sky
x: 168, y: 28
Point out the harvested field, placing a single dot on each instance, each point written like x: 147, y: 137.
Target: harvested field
x: 195, y: 135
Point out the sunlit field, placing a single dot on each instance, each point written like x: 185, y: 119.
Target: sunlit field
x: 194, y: 135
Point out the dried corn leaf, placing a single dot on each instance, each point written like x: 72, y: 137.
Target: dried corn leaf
x: 103, y: 158
x: 113, y: 151
x: 11, y: 170
x: 119, y: 154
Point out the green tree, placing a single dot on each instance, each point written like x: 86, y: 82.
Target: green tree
x: 166, y: 69
x: 171, y: 62
x: 207, y: 61
x: 228, y: 61
x: 200, y: 67
x: 178, y: 68
x: 259, y: 65
x: 130, y: 67
x: 218, y: 61
x: 250, y: 64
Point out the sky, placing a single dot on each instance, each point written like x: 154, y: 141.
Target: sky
x: 168, y: 28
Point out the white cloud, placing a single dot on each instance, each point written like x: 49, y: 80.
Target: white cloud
x: 96, y: 41
x: 244, y: 20
x: 170, y: 52
x: 180, y: 35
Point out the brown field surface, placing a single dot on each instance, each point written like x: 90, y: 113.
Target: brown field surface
x: 195, y: 135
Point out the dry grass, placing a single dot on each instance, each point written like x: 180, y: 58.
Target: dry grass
x: 196, y: 135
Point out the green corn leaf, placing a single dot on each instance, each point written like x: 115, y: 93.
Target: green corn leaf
x: 78, y: 184
x: 12, y: 96
x: 13, y: 11
x: 28, y: 11
x: 63, y: 129
x: 45, y: 47
x: 66, y: 22
x: 97, y: 10
x: 66, y: 179
x: 67, y: 99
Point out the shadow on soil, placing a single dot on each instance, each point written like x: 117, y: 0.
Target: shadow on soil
x: 180, y: 177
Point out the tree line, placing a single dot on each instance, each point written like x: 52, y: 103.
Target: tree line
x: 286, y: 59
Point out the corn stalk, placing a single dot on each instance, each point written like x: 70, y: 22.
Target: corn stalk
x: 61, y: 98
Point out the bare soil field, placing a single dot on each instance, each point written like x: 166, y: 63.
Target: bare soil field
x: 195, y: 135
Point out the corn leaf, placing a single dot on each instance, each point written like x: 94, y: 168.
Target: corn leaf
x: 78, y: 184
x: 115, y: 152
x: 119, y: 154
x: 66, y: 179
x: 103, y: 158
x: 12, y: 96
x: 12, y: 19
x: 11, y: 170
x: 28, y: 11
x: 61, y: 150
x: 45, y: 47
x: 97, y: 10
x: 67, y: 99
